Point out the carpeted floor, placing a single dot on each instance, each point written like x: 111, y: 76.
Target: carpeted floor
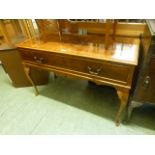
x: 66, y: 106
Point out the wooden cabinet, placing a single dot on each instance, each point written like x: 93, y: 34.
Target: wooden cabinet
x: 144, y: 92
x: 12, y: 64
x: 147, y: 88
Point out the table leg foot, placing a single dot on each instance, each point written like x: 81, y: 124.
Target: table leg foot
x: 123, y: 96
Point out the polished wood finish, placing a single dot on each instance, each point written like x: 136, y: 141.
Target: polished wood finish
x: 107, y: 33
x: 124, y: 50
x: 32, y: 29
x: 144, y: 92
x: 25, y: 29
x: 114, y: 28
x: 10, y: 29
x: 49, y: 28
x: 102, y: 70
x: 52, y: 28
x: 93, y: 27
x: 4, y: 31
x: 113, y: 67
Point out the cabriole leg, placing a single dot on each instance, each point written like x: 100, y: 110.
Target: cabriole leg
x: 27, y: 72
x: 123, y: 96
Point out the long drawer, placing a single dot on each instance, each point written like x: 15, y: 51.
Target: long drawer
x: 100, y: 69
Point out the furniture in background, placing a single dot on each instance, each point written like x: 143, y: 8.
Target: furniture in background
x: 9, y: 29
x: 144, y: 92
x: 14, y: 31
x: 12, y: 64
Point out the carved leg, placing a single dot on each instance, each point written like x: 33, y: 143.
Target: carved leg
x: 27, y: 72
x: 124, y: 99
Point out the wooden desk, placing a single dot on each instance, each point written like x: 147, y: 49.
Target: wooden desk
x: 113, y: 67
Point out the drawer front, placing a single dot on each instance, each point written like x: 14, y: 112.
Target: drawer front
x: 91, y: 67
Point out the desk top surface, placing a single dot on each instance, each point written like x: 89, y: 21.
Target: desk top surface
x: 125, y: 51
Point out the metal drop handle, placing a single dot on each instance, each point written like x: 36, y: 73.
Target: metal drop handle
x: 94, y: 71
x: 38, y: 60
x: 147, y: 81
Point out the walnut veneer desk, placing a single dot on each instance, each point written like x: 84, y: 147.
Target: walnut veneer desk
x: 113, y: 67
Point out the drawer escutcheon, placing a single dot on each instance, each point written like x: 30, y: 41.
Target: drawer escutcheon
x: 94, y: 71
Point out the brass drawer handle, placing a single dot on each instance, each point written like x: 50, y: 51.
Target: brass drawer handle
x: 147, y: 81
x: 38, y: 60
x: 94, y: 71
